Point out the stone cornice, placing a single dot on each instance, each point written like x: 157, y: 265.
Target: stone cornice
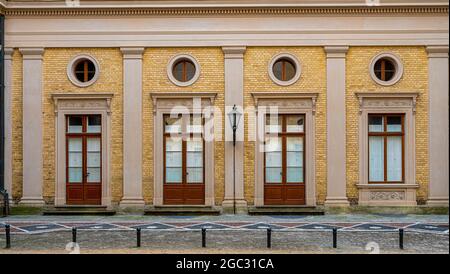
x: 132, y: 52
x: 385, y: 95
x: 182, y: 95
x: 234, y: 52
x: 336, y: 51
x: 200, y: 11
x: 32, y: 53
x: 437, y: 51
x: 257, y: 96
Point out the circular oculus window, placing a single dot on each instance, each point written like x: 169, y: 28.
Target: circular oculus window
x: 284, y: 69
x: 183, y: 70
x: 83, y: 70
x: 386, y: 69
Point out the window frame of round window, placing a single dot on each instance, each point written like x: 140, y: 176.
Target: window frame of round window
x: 290, y: 58
x: 71, y: 70
x: 177, y: 58
x: 398, y: 66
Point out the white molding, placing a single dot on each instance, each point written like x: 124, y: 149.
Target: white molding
x: 177, y: 58
x: 181, y: 95
x: 398, y: 64
x: 83, y: 104
x: 71, y: 67
x: 287, y: 103
x: 437, y: 51
x: 8, y: 151
x: 291, y: 57
x: 336, y: 51
x: 336, y: 126
x: 161, y: 107
x: 32, y: 71
x: 383, y: 103
x: 234, y: 52
x: 438, y: 126
x: 226, y: 30
x: 132, y: 128
x: 132, y: 52
x: 32, y: 53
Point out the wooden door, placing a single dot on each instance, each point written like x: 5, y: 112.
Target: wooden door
x: 83, y: 159
x: 184, y: 156
x: 284, y: 160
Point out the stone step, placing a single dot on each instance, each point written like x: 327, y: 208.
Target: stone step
x: 181, y: 210
x: 285, y: 210
x: 78, y: 210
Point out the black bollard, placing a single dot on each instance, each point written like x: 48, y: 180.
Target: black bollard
x: 334, y: 237
x: 8, y: 236
x: 203, y: 237
x: 138, y: 237
x: 74, y: 234
x: 269, y: 237
x: 400, y: 234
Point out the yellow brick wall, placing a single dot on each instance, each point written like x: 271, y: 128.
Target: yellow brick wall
x: 312, y: 79
x: 256, y: 59
x: 16, y: 118
x: 415, y: 79
x: 155, y: 79
x: 55, y: 80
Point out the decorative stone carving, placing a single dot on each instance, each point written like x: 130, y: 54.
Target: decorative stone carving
x: 83, y: 101
x: 387, y: 195
x: 298, y: 100
x: 387, y: 100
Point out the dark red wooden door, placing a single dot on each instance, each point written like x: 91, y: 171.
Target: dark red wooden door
x: 284, y: 176
x: 184, y: 176
x: 83, y: 160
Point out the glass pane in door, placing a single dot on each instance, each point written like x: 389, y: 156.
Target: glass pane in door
x: 94, y: 124
x: 295, y: 123
x: 174, y: 156
x: 194, y: 160
x: 75, y: 124
x: 93, y: 160
x: 75, y: 161
x: 273, y: 160
x: 294, y: 159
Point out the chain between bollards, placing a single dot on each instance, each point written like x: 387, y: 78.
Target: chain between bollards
x: 269, y: 237
x: 138, y: 237
x: 8, y: 236
x: 400, y: 235
x: 74, y: 234
x: 203, y: 237
x: 334, y: 237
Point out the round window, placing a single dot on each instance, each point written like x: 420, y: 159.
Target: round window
x: 284, y: 69
x: 386, y: 69
x: 83, y: 70
x: 183, y: 70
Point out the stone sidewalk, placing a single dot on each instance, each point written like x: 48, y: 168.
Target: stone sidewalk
x: 357, y: 233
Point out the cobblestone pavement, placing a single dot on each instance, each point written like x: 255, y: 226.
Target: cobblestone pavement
x: 189, y: 241
x: 228, y: 234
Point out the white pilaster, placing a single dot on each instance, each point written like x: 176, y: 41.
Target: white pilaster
x: 8, y: 121
x: 32, y: 126
x: 336, y: 155
x: 234, y: 95
x: 438, y: 125
x: 132, y: 127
